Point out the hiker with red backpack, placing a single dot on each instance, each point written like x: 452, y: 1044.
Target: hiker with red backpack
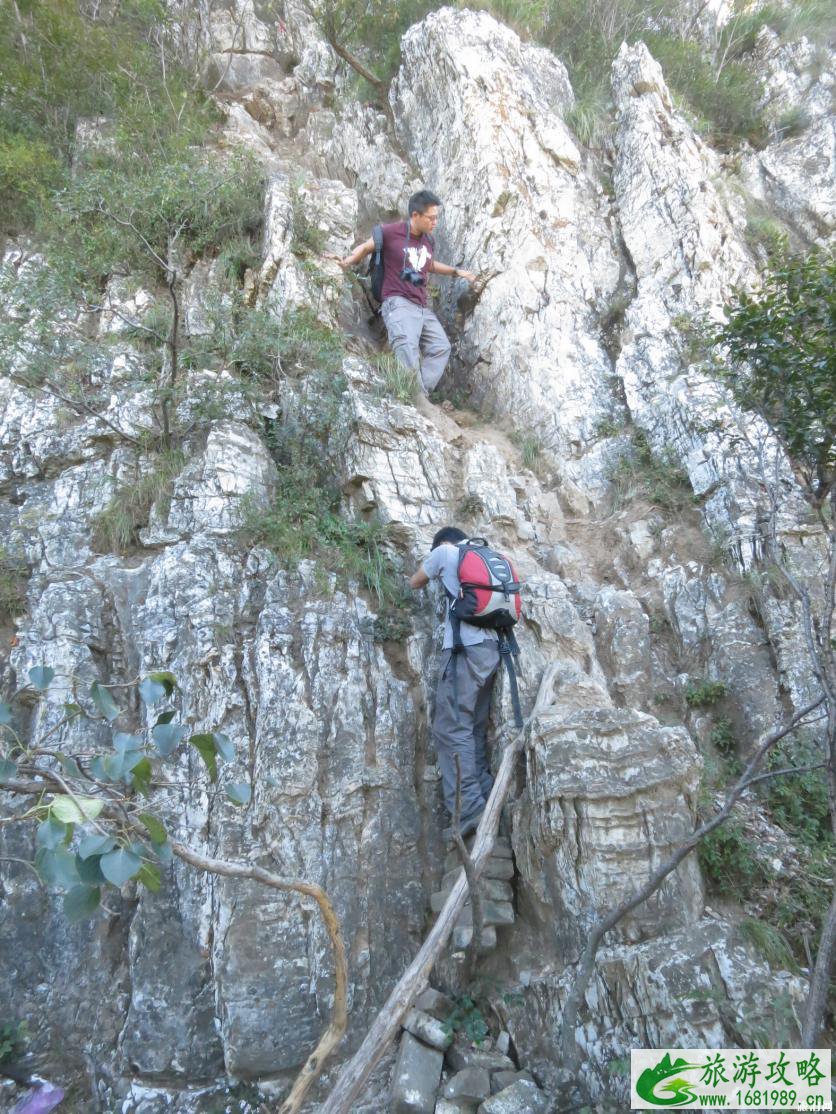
x: 483, y: 594
x: 404, y: 256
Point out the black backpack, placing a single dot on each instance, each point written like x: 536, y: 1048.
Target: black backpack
x: 376, y: 265
x: 489, y: 598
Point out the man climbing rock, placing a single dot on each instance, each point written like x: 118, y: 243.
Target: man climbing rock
x: 415, y: 333
x: 463, y: 696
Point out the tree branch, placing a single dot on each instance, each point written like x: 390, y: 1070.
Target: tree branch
x: 355, y: 1073
x: 337, y: 1025
x: 606, y: 923
x: 80, y: 406
x: 477, y: 920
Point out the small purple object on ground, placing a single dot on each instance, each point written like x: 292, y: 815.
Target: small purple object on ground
x: 40, y: 1101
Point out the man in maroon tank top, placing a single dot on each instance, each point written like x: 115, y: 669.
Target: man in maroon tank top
x: 415, y: 333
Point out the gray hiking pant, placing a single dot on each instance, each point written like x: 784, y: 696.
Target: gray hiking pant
x: 417, y: 339
x: 464, y: 735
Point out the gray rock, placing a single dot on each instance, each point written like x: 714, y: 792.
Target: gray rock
x: 493, y: 912
x: 461, y: 1056
x: 447, y: 1106
x: 522, y: 1097
x: 470, y: 1085
x: 435, y: 1003
x: 502, y: 1079
x: 502, y: 869
x: 462, y: 936
x: 546, y: 270
x: 492, y: 889
x: 427, y: 1029
x: 416, y: 1077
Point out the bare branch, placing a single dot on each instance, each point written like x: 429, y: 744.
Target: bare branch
x: 77, y: 404
x: 355, y: 1073
x: 571, y: 1058
x: 339, y: 1018
x: 820, y: 979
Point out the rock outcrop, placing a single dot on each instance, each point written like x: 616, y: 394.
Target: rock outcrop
x: 577, y: 329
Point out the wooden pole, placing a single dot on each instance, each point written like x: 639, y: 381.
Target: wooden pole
x: 412, y: 982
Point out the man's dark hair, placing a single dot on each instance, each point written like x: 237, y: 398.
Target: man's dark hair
x: 451, y: 534
x: 421, y: 201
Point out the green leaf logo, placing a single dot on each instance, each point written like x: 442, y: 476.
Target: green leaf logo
x: 677, y: 1092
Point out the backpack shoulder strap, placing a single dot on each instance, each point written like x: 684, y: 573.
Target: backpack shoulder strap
x: 377, y: 237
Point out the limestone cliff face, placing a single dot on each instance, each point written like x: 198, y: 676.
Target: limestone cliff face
x: 171, y: 993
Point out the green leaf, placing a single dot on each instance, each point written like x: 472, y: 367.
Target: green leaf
x: 164, y: 678
x: 72, y: 710
x: 141, y: 777
x: 81, y: 903
x: 167, y: 736
x: 163, y: 852
x: 5, y: 713
x: 75, y: 810
x: 239, y: 792
x: 8, y: 769
x: 95, y: 844
x: 205, y: 746
x: 166, y: 717
x: 151, y: 691
x: 90, y: 870
x: 41, y: 677
x: 104, y: 702
x: 224, y: 746
x: 57, y: 868
x: 51, y: 833
x: 154, y: 827
x: 149, y: 876
x: 69, y: 765
x: 123, y: 742
x: 99, y: 770
x: 120, y: 865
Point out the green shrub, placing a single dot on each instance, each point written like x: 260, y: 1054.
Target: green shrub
x: 471, y: 506
x: 62, y: 62
x: 399, y: 382
x: 723, y: 738
x: 725, y: 103
x: 29, y: 171
x: 305, y: 519
x: 307, y: 239
x: 659, y: 479
x: 12, y: 586
x: 468, y: 1019
x: 798, y: 802
x: 770, y: 942
x: 238, y: 255
x: 793, y: 122
x: 782, y: 362
x: 116, y: 529
x: 14, y: 1036
x: 126, y: 212
x: 728, y: 864
x: 530, y: 447
x: 702, y: 694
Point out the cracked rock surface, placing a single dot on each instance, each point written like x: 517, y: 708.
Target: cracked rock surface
x: 168, y: 997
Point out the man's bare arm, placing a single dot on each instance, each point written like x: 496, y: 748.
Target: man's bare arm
x: 419, y: 579
x: 445, y: 269
x: 360, y: 252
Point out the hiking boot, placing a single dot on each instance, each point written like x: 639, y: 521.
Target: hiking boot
x: 423, y: 405
x: 466, y: 826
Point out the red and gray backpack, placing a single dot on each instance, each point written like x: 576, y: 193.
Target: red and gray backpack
x: 489, y: 598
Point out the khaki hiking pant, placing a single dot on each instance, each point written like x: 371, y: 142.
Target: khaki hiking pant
x: 465, y: 734
x: 417, y: 339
